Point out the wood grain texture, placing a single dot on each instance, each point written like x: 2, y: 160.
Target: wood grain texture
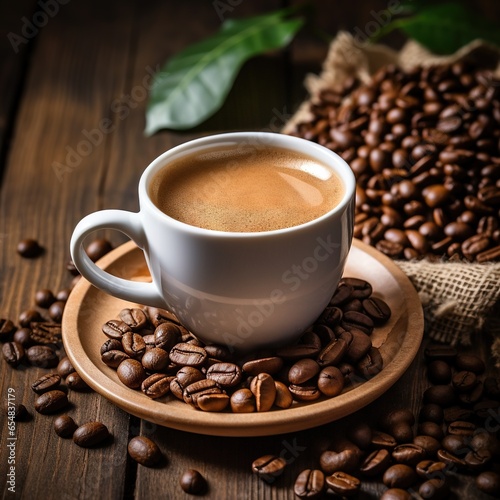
x: 75, y: 145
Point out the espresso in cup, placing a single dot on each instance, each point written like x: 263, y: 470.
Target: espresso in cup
x: 245, y: 189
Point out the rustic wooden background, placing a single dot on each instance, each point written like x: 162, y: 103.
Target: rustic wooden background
x: 87, y: 63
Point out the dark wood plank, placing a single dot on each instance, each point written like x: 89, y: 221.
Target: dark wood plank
x: 17, y: 40
x: 70, y: 86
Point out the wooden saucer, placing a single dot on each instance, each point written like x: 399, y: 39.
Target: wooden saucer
x: 88, y: 309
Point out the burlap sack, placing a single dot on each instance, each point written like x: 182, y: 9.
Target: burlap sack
x: 460, y: 299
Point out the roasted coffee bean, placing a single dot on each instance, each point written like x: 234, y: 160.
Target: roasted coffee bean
x: 331, y: 381
x: 46, y: 383
x: 443, y: 395
x: 44, y: 298
x: 133, y: 344
x: 332, y: 353
x: 361, y: 289
x: 304, y: 392
x: 483, y: 440
x: 486, y: 408
x: 454, y: 413
x: 470, y: 362
x: 65, y: 367
x: 29, y: 316
x: 144, y: 451
x: 377, y: 309
x: 135, y: 318
x: 29, y: 248
x: 371, y: 364
x: 7, y: 328
x: 225, y: 374
x: 361, y: 435
x: 396, y: 494
x: 345, y: 460
x: 439, y: 372
x: 115, y: 329
x: 42, y: 356
x: 192, y: 482
x: 331, y: 316
x: 376, y: 463
x: 243, y: 401
x: 489, y: 482
x: 303, y: 370
x: 355, y: 319
x: 428, y: 443
x: 64, y: 426
x: 159, y: 316
x: 343, y: 484
x: 167, y: 335
x: 451, y: 460
x: 90, y: 434
x: 477, y: 460
x: 359, y: 346
x: 431, y: 429
x: 264, y: 390
x: 399, y: 476
x: 114, y: 357
x: 156, y: 385
x: 13, y: 353
x: 16, y: 410
x: 436, y: 488
x: 155, y: 359
x: 23, y: 337
x: 431, y: 412
x: 131, y: 373
x: 212, y: 401
x: 271, y: 365
x: 461, y: 428
x: 76, y: 383
x: 51, y: 402
x: 343, y: 293
x: 193, y: 391
x: 188, y: 375
x: 269, y: 467
x: 464, y: 381
x: 185, y: 354
x: 409, y: 454
x: 310, y: 483
x: 283, y: 397
x: 383, y: 440
x: 56, y: 311
x: 45, y: 332
x: 427, y: 469
x: 457, y: 444
x: 473, y: 396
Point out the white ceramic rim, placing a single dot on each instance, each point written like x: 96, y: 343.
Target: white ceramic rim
x: 316, y: 151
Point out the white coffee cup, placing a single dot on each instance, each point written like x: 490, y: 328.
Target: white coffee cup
x: 245, y: 290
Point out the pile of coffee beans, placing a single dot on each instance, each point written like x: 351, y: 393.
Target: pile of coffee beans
x: 153, y: 352
x: 424, y: 146
x: 457, y: 430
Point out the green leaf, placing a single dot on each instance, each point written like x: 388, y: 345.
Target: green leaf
x: 194, y: 83
x: 444, y: 28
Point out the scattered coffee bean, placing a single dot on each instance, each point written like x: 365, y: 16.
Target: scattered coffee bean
x: 44, y: 298
x: 29, y: 248
x: 269, y: 467
x: 489, y: 482
x: 193, y: 482
x: 42, y: 356
x: 343, y: 484
x: 144, y: 451
x: 399, y: 476
x: 396, y: 494
x: 64, y: 426
x: 90, y: 434
x: 51, y: 402
x: 46, y: 383
x: 310, y: 483
x: 76, y: 383
x: 64, y: 367
x: 13, y: 353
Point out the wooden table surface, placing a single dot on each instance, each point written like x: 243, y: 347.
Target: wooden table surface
x: 62, y: 75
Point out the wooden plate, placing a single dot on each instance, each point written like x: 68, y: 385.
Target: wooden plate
x: 88, y: 308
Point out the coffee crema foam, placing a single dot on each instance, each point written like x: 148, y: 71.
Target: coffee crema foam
x: 242, y: 189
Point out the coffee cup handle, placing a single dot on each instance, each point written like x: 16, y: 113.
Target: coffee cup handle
x: 128, y: 223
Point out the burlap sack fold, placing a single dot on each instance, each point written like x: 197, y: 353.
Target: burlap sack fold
x: 460, y: 299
